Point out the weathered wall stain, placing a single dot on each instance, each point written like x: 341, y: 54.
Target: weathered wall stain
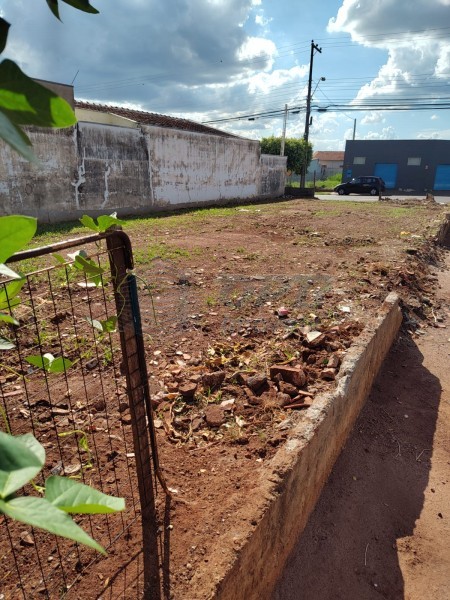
x: 95, y: 168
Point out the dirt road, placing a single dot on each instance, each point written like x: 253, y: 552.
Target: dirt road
x: 382, y: 525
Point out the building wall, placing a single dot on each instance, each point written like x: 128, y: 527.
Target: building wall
x: 273, y: 176
x: 191, y: 167
x: 61, y: 89
x: 44, y: 189
x: 410, y: 178
x: 100, y: 168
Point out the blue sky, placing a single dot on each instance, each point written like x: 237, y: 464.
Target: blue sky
x: 209, y: 60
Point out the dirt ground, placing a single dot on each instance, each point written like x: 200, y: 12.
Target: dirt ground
x: 381, y: 527
x: 247, y: 313
x: 329, y: 266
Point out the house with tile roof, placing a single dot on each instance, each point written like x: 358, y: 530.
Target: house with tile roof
x: 119, y: 159
x: 329, y: 163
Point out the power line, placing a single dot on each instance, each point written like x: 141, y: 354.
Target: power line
x: 302, y: 48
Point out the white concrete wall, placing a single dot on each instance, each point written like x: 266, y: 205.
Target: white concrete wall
x: 191, y: 167
x: 100, y: 168
x: 40, y: 189
x: 272, y: 176
x: 113, y: 169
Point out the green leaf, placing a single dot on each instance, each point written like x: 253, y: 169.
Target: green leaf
x: 33, y: 445
x: 37, y: 360
x: 106, y: 221
x: 53, y: 5
x: 83, y: 443
x: 9, y: 292
x: 6, y: 344
x: 108, y: 325
x: 96, y: 324
x: 7, y: 272
x: 73, y: 255
x: 15, y: 233
x: 9, y: 304
x: 88, y: 265
x: 59, y: 365
x: 21, y: 459
x: 4, y: 26
x: 82, y: 5
x: 49, y: 363
x: 59, y: 258
x: 73, y: 497
x: 26, y: 102
x: 16, y: 138
x: 89, y: 222
x: 8, y: 319
x: 97, y: 280
x: 39, y: 512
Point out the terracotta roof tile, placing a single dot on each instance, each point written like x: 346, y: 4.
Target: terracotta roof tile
x: 329, y: 155
x: 147, y: 118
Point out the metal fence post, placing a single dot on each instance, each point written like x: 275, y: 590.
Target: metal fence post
x: 133, y: 352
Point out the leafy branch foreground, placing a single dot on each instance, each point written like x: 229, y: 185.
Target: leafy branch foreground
x: 25, y: 102
x: 21, y: 459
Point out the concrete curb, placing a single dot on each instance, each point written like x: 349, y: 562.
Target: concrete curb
x: 443, y: 235
x: 292, y: 480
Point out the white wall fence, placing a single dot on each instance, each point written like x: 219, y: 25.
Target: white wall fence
x: 96, y: 168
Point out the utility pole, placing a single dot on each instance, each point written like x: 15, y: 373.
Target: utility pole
x: 283, y: 137
x: 354, y: 128
x: 308, y: 107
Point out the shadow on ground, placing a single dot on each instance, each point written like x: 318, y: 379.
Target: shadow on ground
x: 375, y: 493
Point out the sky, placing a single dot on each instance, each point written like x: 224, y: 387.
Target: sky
x: 238, y: 63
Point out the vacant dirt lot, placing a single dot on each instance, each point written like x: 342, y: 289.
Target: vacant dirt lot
x: 247, y: 313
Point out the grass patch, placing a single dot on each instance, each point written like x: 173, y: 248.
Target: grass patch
x: 159, y: 250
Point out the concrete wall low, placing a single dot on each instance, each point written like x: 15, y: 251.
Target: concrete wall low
x: 248, y: 563
x: 273, y: 176
x: 98, y: 168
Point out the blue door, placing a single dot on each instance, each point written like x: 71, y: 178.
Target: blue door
x: 442, y: 178
x: 387, y: 172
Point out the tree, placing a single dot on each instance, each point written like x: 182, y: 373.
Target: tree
x: 298, y: 152
x: 25, y: 102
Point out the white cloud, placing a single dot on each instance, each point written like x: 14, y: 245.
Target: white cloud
x: 260, y: 48
x: 265, y: 83
x: 373, y: 117
x: 387, y: 133
x: 435, y: 117
x: 434, y: 134
x: 262, y: 20
x: 415, y: 37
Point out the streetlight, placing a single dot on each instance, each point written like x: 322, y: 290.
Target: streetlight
x: 317, y: 85
x: 351, y: 118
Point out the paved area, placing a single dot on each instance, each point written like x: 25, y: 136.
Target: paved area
x: 355, y: 198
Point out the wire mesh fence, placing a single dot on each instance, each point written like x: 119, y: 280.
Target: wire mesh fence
x: 73, y: 374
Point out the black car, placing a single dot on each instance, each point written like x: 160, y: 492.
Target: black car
x: 361, y: 185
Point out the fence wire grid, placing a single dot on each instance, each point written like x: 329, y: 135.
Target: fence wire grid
x: 87, y: 417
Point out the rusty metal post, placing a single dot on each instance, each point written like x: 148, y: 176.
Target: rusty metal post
x: 133, y: 352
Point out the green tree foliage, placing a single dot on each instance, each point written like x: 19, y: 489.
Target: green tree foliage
x: 298, y: 152
x: 25, y: 102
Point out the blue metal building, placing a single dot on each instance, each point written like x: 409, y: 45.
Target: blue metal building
x: 410, y: 166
